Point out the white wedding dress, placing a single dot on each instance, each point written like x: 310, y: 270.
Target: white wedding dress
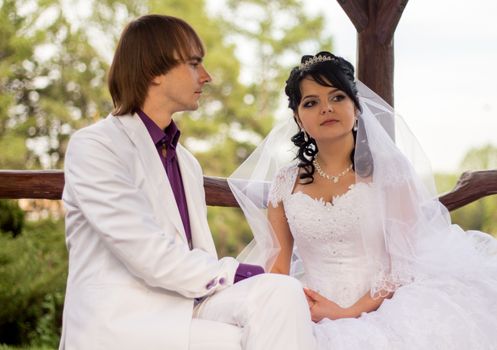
x: 443, y: 313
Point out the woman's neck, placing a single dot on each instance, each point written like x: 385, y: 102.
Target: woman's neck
x: 334, y: 156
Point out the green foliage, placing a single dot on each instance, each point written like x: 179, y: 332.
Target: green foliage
x: 51, y: 83
x: 278, y: 32
x: 11, y: 217
x: 232, y: 231
x: 479, y: 158
x: 32, y: 282
x: 14, y: 151
x: 7, y: 347
x: 480, y: 215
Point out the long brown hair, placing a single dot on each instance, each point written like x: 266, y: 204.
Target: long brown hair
x: 149, y: 46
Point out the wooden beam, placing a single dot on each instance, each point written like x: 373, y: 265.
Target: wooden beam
x: 218, y: 192
x: 389, y: 13
x: 375, y: 22
x: 375, y: 64
x: 48, y: 184
x: 357, y: 12
x: 471, y: 186
x: 16, y: 184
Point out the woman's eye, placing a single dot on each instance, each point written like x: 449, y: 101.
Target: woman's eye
x: 309, y: 104
x: 337, y: 98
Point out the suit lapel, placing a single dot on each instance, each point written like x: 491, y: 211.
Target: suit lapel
x: 163, y: 197
x: 195, y: 199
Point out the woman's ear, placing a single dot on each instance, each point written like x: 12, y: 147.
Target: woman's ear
x: 297, y: 120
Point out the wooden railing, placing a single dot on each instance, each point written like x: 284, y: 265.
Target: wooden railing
x: 471, y: 186
x: 48, y: 184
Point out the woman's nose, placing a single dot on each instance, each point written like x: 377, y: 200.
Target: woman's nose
x: 327, y: 108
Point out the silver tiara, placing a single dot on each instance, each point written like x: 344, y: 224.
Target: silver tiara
x: 316, y: 59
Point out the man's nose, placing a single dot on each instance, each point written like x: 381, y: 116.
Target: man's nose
x: 205, y: 76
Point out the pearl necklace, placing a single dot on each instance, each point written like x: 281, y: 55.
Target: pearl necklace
x: 333, y: 178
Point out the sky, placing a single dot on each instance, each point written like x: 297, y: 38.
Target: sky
x: 445, y: 72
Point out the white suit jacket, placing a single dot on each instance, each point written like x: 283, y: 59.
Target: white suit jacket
x: 132, y: 278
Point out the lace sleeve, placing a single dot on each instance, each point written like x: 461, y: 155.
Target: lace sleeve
x: 282, y: 185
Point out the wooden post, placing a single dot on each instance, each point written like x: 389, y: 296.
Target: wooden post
x: 375, y: 22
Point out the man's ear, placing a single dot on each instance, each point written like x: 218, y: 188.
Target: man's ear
x: 157, y: 80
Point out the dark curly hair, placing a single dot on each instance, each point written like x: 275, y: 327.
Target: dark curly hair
x: 336, y: 72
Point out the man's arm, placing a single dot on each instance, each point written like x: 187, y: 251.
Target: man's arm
x: 245, y: 271
x: 122, y: 216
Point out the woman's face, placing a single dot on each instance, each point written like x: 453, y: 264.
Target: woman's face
x: 325, y: 112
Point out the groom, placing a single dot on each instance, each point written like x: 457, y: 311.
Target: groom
x: 143, y: 269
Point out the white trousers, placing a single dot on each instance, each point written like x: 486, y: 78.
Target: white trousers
x: 211, y: 335
x: 269, y: 310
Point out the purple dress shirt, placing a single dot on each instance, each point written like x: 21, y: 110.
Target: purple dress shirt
x: 166, y: 140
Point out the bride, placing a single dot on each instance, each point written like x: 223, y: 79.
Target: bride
x: 355, y: 216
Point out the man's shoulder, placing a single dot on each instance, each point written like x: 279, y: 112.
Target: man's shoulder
x: 185, y: 154
x: 101, y: 127
x: 106, y: 130
x: 106, y: 133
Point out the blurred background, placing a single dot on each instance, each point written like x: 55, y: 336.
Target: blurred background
x: 54, y: 56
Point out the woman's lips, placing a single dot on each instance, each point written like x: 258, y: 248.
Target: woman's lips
x: 329, y: 122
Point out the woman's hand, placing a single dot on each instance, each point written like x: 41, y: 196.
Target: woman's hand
x: 321, y: 307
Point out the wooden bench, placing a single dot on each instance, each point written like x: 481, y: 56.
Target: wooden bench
x: 48, y: 184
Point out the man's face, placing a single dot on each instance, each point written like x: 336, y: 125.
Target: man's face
x: 181, y: 87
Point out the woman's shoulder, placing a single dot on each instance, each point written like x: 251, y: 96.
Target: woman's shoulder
x: 285, y: 177
x: 287, y: 171
x: 283, y: 183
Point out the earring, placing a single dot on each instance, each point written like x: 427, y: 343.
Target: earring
x: 356, y: 124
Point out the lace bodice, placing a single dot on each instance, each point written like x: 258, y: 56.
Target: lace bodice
x: 327, y: 237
